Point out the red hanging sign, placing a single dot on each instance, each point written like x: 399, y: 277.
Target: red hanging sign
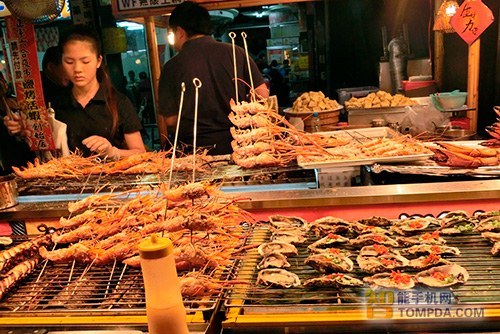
x: 28, y: 82
x: 471, y: 20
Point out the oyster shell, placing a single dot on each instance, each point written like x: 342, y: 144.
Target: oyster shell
x: 329, y: 224
x: 426, y: 238
x: 328, y: 262
x: 495, y: 250
x: 279, y: 221
x: 373, y: 238
x: 330, y: 250
x: 364, y: 229
x: 487, y: 214
x: 430, y: 260
x: 491, y: 236
x: 376, y: 221
x: 377, y: 250
x: 394, y: 279
x: 291, y: 238
x: 446, y: 275
x: 278, y: 278
x: 277, y: 247
x: 412, y: 225
x: 459, y: 227
x: 375, y: 264
x: 274, y: 260
x: 436, y: 249
x: 490, y: 224
x: 326, y: 242
x: 332, y: 280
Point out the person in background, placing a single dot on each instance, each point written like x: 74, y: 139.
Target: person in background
x: 99, y: 118
x: 54, y: 78
x: 146, y: 111
x: 132, y: 89
x: 277, y: 85
x: 200, y: 56
x: 14, y: 151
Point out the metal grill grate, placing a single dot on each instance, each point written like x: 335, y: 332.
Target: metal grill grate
x: 483, y: 286
x: 69, y: 287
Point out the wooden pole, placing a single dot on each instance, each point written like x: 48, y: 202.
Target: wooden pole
x: 438, y: 51
x: 154, y: 61
x: 473, y: 82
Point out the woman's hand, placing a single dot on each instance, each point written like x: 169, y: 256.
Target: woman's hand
x: 102, y: 146
x: 14, y: 125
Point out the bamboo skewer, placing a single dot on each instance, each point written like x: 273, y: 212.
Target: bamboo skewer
x: 232, y: 35
x: 252, y: 92
x: 197, y: 85
x: 172, y: 160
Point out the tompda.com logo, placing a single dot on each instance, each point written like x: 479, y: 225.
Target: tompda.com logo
x: 390, y: 304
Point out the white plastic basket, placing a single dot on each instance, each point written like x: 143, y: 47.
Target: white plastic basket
x: 337, y: 177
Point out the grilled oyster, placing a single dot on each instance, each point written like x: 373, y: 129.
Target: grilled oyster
x: 394, y: 279
x: 326, y: 242
x: 487, y: 214
x: 495, y: 250
x: 446, y: 275
x: 377, y: 250
x: 459, y: 227
x: 376, y: 221
x: 426, y: 238
x: 329, y: 224
x: 330, y: 262
x: 436, y: 249
x: 412, y: 225
x: 280, y: 221
x: 291, y: 238
x: 453, y: 217
x: 364, y: 229
x: 458, y: 214
x: 490, y: 224
x: 430, y: 260
x: 375, y: 264
x: 373, y: 238
x: 274, y: 260
x: 332, y: 280
x: 277, y: 247
x: 278, y: 278
x: 331, y: 250
x: 491, y: 236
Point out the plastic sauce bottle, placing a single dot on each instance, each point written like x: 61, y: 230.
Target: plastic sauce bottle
x: 316, y: 122
x: 164, y: 307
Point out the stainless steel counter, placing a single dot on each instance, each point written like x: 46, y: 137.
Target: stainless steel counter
x: 43, y: 207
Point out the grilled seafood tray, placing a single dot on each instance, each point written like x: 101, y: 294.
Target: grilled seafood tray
x: 258, y: 300
x: 110, y: 290
x: 228, y: 175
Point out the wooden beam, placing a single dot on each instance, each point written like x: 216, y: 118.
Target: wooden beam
x: 438, y: 60
x: 473, y: 82
x: 154, y: 57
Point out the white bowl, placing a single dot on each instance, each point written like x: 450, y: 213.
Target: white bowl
x: 452, y: 100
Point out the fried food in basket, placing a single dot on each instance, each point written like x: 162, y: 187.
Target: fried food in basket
x: 380, y: 99
x: 314, y: 102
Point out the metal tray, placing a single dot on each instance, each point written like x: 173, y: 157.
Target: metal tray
x: 377, y: 132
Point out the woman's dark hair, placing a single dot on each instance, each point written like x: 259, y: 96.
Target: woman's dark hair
x: 86, y: 34
x: 191, y: 17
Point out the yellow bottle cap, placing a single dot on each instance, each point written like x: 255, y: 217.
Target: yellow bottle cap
x: 155, y: 247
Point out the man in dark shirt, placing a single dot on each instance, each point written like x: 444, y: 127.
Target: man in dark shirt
x: 200, y: 56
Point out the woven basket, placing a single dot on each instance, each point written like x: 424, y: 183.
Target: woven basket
x: 328, y: 119
x: 32, y: 10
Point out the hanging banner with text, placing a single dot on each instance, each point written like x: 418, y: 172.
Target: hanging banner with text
x: 471, y: 20
x: 28, y: 82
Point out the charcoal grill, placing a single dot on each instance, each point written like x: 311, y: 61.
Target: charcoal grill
x: 302, y: 309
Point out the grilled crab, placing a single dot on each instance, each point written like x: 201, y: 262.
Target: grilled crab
x: 441, y: 276
x: 278, y: 278
x: 332, y: 280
